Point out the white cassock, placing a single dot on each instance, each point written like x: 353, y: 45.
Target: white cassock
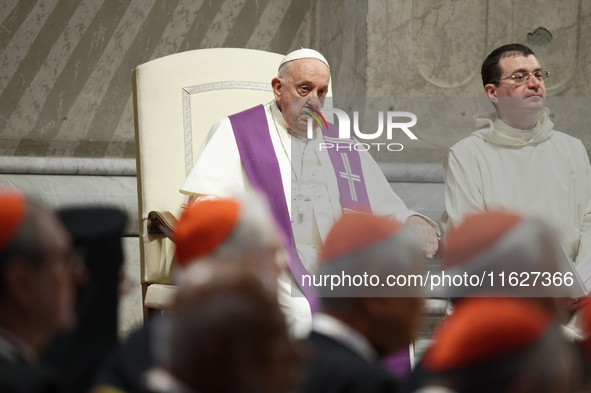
x: 539, y: 173
x: 309, y: 184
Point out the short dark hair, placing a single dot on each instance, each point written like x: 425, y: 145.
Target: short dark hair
x: 490, y: 71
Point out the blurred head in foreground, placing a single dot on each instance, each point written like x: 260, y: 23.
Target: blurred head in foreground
x: 231, y: 233
x: 501, y: 345
x: 229, y: 335
x: 584, y: 345
x: 503, y: 246
x: 38, y: 275
x: 361, y: 245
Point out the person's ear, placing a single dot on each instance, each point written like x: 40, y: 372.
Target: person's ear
x: 491, y: 92
x: 277, y: 85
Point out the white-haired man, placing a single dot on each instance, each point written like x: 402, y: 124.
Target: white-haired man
x: 213, y: 237
x: 266, y: 148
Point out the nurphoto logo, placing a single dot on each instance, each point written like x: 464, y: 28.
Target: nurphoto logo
x: 394, y: 120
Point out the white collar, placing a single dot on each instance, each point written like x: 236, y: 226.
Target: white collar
x: 15, y: 349
x: 278, y: 116
x: 341, y: 332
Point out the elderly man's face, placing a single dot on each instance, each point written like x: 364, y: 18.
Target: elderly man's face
x: 507, y: 95
x: 308, y: 79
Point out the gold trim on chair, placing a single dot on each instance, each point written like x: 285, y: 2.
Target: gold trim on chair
x: 188, y: 91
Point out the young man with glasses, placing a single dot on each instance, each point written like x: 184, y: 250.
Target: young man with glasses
x: 516, y: 160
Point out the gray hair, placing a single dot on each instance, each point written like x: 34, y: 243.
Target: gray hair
x: 254, y: 231
x: 537, y: 368
x: 400, y: 254
x: 251, y: 239
x: 283, y: 71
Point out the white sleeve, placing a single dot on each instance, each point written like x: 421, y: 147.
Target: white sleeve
x: 585, y: 238
x: 463, y: 191
x: 218, y: 169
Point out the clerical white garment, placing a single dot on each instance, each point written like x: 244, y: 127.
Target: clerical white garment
x: 310, y: 198
x: 314, y: 204
x: 15, y: 350
x: 540, y: 173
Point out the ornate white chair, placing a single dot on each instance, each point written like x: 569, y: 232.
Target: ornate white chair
x: 177, y: 99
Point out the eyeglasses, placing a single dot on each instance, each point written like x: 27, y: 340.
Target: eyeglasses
x: 522, y: 77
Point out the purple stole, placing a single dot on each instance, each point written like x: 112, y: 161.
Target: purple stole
x: 257, y: 153
x: 347, y: 168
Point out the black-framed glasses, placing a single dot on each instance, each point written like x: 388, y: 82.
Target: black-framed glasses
x: 522, y: 77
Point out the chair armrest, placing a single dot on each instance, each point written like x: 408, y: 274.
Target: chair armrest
x: 162, y: 223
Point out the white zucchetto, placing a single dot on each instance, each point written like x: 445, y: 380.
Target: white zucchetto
x: 304, y: 53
